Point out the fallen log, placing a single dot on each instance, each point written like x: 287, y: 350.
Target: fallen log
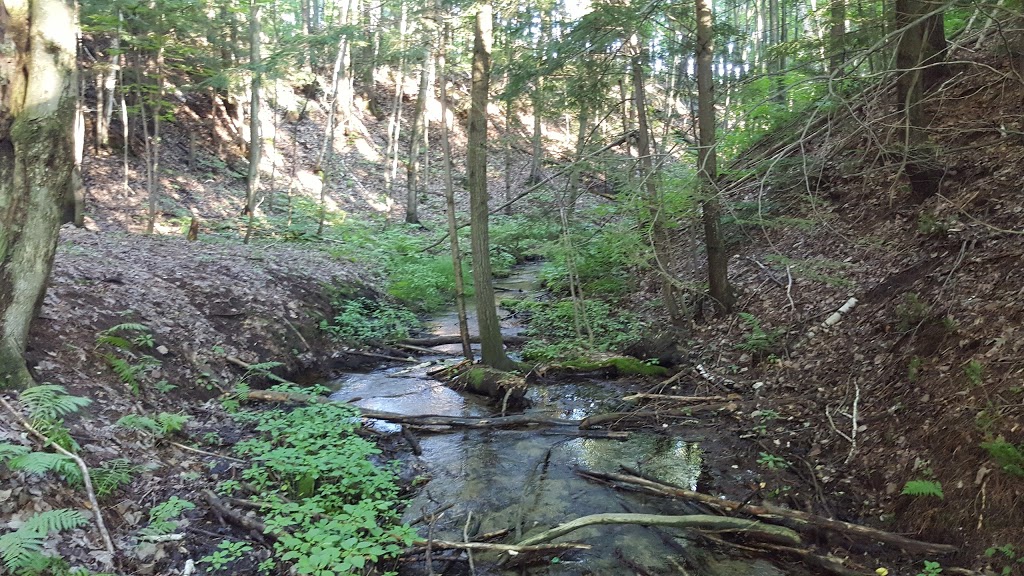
x: 445, y: 340
x: 487, y: 546
x: 768, y: 512
x: 519, y: 420
x: 599, y: 419
x: 753, y: 528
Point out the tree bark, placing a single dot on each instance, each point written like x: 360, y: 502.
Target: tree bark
x: 491, y: 348
x: 37, y: 113
x: 707, y: 168
x: 919, y: 55
x: 252, y: 181
x: 449, y: 197
x: 659, y: 234
x: 418, y: 128
x: 837, y: 36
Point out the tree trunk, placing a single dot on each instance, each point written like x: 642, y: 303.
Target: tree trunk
x: 449, y: 197
x: 252, y: 181
x: 415, y: 143
x: 395, y: 121
x: 106, y: 84
x: 659, y: 234
x: 491, y: 347
x: 919, y: 55
x: 707, y: 167
x: 37, y: 114
x: 837, y: 36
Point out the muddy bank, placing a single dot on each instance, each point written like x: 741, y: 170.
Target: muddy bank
x: 203, y: 302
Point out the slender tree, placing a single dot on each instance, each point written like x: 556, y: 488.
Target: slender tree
x: 491, y: 346
x: 449, y: 197
x: 707, y: 163
x: 37, y: 153
x: 252, y: 181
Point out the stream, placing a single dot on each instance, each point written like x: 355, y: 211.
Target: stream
x: 525, y: 480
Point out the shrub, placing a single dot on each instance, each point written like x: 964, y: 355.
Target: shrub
x: 360, y: 322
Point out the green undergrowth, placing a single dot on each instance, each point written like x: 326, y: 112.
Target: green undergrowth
x: 362, y: 321
x: 559, y: 328
x: 333, y: 507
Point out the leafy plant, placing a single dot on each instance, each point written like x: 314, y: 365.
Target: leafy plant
x: 226, y: 553
x: 47, y: 405
x: 974, y: 371
x: 163, y: 516
x: 1008, y: 457
x: 771, y: 461
x: 923, y: 488
x: 911, y: 311
x: 334, y: 509
x: 1006, y: 557
x: 21, y: 458
x: 163, y: 425
x: 914, y: 369
x: 930, y: 569
x: 758, y: 342
x: 124, y: 340
x: 112, y: 475
x: 22, y: 550
x: 362, y: 321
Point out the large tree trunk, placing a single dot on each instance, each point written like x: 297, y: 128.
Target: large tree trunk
x: 707, y: 163
x: 37, y: 152
x: 416, y: 147
x: 491, y: 348
x: 919, y: 62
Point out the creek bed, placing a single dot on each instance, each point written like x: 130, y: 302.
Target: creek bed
x: 525, y: 480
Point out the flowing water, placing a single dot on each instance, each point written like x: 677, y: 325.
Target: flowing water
x: 526, y: 480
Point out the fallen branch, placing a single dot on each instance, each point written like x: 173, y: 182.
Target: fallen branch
x: 86, y: 479
x: 769, y: 512
x: 683, y: 399
x: 753, y: 528
x: 420, y: 420
x: 236, y: 517
x: 688, y: 412
x: 514, y: 548
x: 445, y: 340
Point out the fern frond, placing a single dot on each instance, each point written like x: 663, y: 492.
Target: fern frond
x: 923, y: 488
x: 43, y: 462
x: 51, y: 401
x: 9, y: 451
x: 55, y: 521
x: 113, y: 341
x: 139, y: 422
x: 112, y: 475
x: 171, y: 423
x: 21, y: 549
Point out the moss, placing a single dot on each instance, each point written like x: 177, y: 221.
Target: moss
x: 618, y: 365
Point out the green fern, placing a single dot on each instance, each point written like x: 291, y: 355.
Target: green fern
x: 22, y: 549
x: 164, y: 424
x: 51, y: 402
x: 110, y: 336
x: 112, y: 475
x: 923, y: 488
x: 9, y: 451
x: 43, y: 462
x: 1009, y: 457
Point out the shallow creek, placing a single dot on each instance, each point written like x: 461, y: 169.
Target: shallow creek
x: 525, y: 480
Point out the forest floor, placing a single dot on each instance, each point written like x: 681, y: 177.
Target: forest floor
x: 906, y: 386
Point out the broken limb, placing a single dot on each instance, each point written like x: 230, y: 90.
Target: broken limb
x: 751, y: 528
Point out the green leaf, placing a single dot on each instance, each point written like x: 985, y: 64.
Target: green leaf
x: 923, y: 488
